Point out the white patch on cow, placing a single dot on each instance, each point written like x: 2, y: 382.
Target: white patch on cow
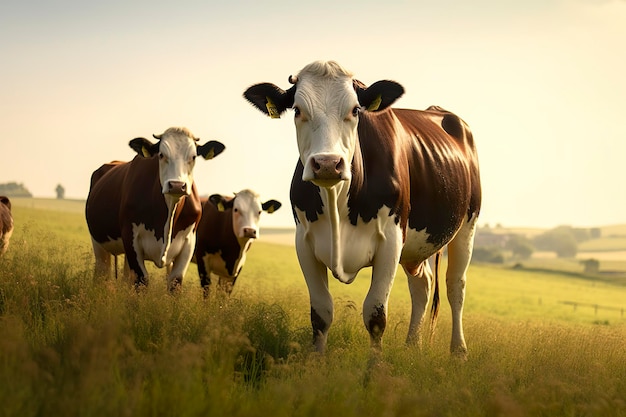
x: 4, y: 240
x: 215, y: 264
x: 162, y: 253
x: 177, y: 158
x: 416, y: 247
x: 353, y: 247
x: 325, y: 123
x: 246, y: 215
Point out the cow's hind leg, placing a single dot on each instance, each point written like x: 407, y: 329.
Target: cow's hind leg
x: 420, y: 283
x: 459, y: 255
x: 103, y: 261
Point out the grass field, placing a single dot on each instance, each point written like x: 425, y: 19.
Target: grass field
x: 538, y: 345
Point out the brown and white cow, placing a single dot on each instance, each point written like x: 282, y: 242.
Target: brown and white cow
x: 149, y: 208
x: 226, y: 231
x: 6, y: 223
x: 376, y: 186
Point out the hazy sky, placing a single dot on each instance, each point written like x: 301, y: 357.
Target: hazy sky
x: 540, y: 82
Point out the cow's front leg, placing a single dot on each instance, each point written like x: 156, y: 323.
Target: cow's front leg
x: 316, y: 276
x: 181, y: 263
x: 204, y: 273
x: 375, y: 304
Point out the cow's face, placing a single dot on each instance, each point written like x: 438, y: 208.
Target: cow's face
x: 326, y: 101
x: 246, y: 207
x: 177, y: 158
x: 176, y: 151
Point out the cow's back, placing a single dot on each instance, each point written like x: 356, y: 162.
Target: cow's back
x: 102, y: 208
x: 445, y: 183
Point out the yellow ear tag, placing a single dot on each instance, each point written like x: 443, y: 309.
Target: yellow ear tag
x: 145, y: 152
x: 375, y: 104
x: 210, y: 155
x: 220, y: 206
x: 271, y: 109
x: 270, y: 209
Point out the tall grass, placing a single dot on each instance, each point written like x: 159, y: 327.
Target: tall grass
x: 72, y: 346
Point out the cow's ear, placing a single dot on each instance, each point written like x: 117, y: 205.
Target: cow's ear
x: 270, y: 99
x: 379, y: 95
x: 144, y: 147
x: 271, y: 206
x: 221, y: 202
x: 211, y: 149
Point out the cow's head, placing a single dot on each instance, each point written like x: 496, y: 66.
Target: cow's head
x: 246, y: 207
x: 326, y: 101
x: 176, y: 150
x: 5, y: 201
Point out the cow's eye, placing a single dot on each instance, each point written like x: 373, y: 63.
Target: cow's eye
x: 355, y: 111
x: 235, y: 209
x: 296, y: 111
x: 161, y: 156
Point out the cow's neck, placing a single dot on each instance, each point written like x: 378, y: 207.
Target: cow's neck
x: 336, y: 198
x: 173, y: 210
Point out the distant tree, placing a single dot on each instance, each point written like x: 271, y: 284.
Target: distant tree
x: 592, y: 266
x: 487, y: 254
x: 60, y: 192
x: 595, y: 232
x: 13, y: 189
x: 520, y: 246
x: 561, y: 240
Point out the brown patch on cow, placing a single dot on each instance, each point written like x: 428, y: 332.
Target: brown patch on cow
x: 6, y: 223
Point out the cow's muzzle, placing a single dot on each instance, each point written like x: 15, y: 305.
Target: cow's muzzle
x: 249, y: 233
x: 176, y: 188
x: 327, y: 170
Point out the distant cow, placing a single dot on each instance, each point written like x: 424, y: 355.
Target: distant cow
x: 226, y: 231
x: 6, y: 224
x: 149, y: 208
x: 376, y: 186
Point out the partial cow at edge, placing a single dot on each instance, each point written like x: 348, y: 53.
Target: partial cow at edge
x: 6, y: 223
x: 226, y: 231
x: 148, y: 209
x: 376, y: 186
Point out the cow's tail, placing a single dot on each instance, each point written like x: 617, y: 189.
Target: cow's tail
x: 115, y: 265
x: 434, y: 308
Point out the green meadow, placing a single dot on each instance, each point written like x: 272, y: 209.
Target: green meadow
x: 540, y: 343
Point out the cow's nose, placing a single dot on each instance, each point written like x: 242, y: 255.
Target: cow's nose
x: 327, y: 167
x: 176, y: 187
x: 249, y: 232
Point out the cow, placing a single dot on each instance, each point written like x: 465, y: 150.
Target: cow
x: 376, y: 186
x: 6, y: 223
x: 149, y: 208
x: 226, y: 231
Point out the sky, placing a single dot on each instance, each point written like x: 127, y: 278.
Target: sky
x: 541, y: 83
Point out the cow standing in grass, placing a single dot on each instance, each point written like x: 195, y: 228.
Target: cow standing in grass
x: 226, y: 231
x: 149, y: 208
x: 376, y: 186
x: 6, y: 223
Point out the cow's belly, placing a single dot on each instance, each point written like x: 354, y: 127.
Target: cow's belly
x: 113, y: 246
x: 416, y: 247
x: 215, y: 263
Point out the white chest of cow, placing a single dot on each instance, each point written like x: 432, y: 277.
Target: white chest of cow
x: 348, y: 248
x: 157, y: 250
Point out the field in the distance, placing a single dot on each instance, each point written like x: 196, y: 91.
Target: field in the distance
x: 69, y: 346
